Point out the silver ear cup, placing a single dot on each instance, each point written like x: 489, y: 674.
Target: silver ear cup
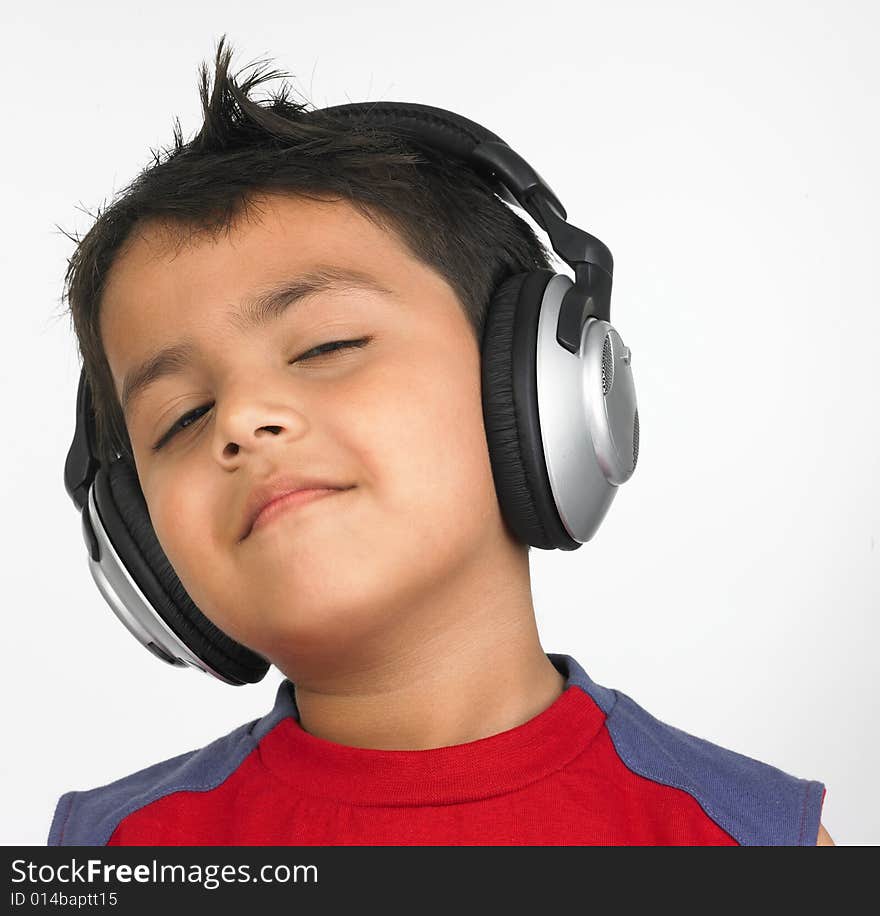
x: 132, y: 607
x: 611, y: 397
x: 608, y: 383
x: 588, y: 415
x: 636, y: 438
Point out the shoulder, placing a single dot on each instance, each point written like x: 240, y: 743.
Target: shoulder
x: 824, y: 839
x: 89, y: 817
x: 756, y: 803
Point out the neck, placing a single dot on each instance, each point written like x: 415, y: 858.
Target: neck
x: 464, y: 665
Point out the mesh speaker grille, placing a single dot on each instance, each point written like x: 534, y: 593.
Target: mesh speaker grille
x: 607, y: 366
x: 636, y: 439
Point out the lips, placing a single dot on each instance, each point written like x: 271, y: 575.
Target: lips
x: 266, y: 493
x: 288, y: 501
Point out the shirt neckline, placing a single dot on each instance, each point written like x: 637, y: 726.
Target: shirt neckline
x: 483, y: 768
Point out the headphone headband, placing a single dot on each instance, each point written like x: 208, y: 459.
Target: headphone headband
x: 517, y: 183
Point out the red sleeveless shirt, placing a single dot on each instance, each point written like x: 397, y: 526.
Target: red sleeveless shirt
x: 593, y: 768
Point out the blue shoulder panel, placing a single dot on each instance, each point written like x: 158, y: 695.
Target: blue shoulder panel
x: 756, y: 803
x: 88, y: 818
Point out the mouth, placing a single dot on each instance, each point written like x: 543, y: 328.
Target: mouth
x: 290, y: 502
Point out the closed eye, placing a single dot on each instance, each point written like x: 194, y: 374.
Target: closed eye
x: 335, y: 345
x: 321, y: 350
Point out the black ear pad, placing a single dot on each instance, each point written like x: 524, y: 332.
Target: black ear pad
x: 126, y: 519
x: 510, y: 412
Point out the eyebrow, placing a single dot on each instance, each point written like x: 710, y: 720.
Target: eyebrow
x: 257, y: 311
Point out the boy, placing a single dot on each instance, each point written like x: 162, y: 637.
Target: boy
x: 325, y: 290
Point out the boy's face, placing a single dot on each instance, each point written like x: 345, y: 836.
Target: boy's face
x: 398, y: 420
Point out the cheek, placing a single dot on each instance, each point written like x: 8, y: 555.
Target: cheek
x: 180, y: 513
x: 425, y: 444
x: 185, y: 529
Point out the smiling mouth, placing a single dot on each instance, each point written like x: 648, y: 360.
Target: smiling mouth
x: 290, y: 502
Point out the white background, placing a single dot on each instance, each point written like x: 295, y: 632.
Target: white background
x: 725, y: 152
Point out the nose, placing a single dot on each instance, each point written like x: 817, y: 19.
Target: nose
x: 255, y: 424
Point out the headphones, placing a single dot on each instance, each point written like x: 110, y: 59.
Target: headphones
x: 558, y: 397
